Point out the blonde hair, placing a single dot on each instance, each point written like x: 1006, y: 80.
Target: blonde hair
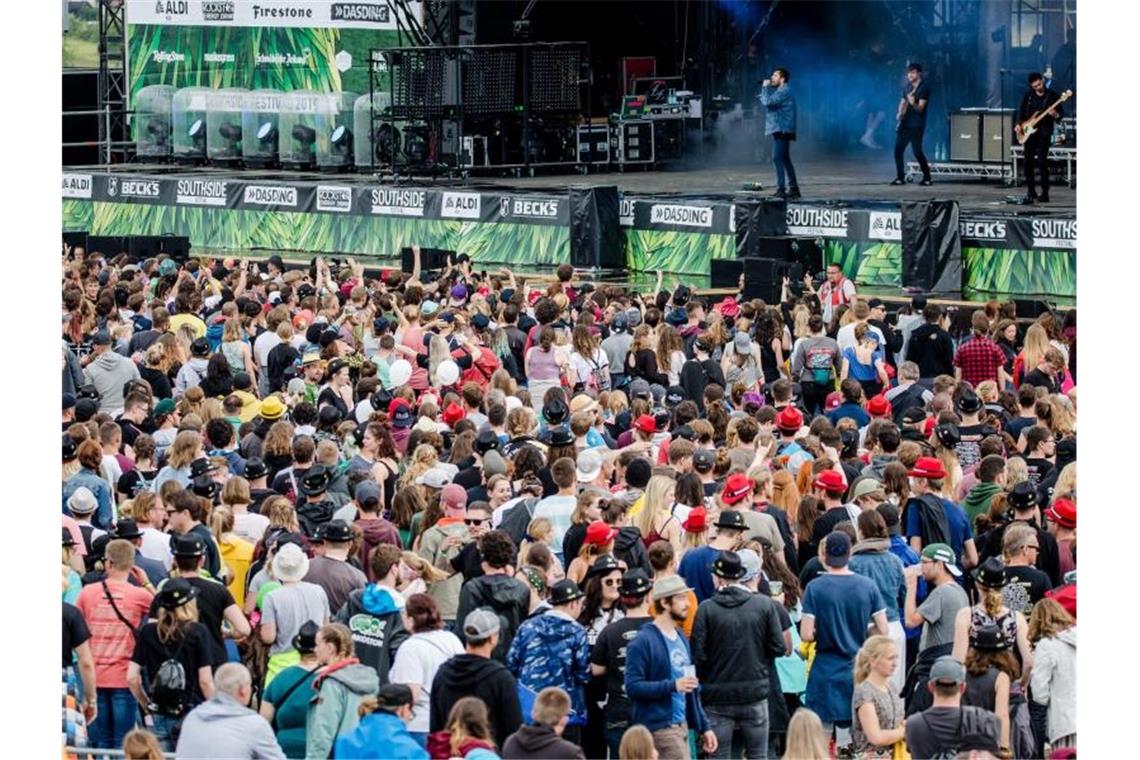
x: 637, y: 744
x: 172, y: 624
x: 538, y: 531
x: 1048, y: 619
x: 184, y: 449
x: 426, y: 570
x: 140, y: 744
x: 805, y: 737
x: 785, y: 494
x: 874, y: 648
x: 1035, y: 346
x: 232, y: 330
x: 1066, y: 483
x: 654, y: 502
x: 236, y: 491
x: 422, y: 459
x: 1016, y: 471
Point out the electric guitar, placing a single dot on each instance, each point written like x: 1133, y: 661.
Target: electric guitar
x: 1027, y: 128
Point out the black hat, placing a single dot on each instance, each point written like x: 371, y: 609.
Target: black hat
x: 732, y: 520
x: 604, y: 565
x: 85, y: 409
x: 391, y: 696
x: 381, y: 399
x: 555, y: 411
x: 187, y: 545
x: 255, y: 468
x: 636, y: 582
x: 991, y: 573
x: 87, y: 391
x: 337, y: 531
x: 205, y: 486
x: 199, y: 467
x: 728, y: 566
x: 99, y: 547
x: 685, y: 432
x: 674, y: 395
x: 329, y: 415
x: 1066, y: 452
x: 1023, y: 496
x: 200, y: 347
x: 558, y: 436
x: 486, y: 441
x: 68, y: 401
x: 913, y: 415
x: 948, y: 435
x: 968, y: 403
x: 305, y: 289
x: 988, y: 638
x: 68, y: 539
x: 316, y: 480
x: 564, y: 592
x: 305, y: 641
x: 69, y: 448
x: 127, y: 529
x: 175, y: 592
x: 336, y: 365
x: 313, y: 333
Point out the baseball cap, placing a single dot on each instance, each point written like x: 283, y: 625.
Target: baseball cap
x: 453, y: 496
x: 68, y: 401
x: 704, y: 460
x: 481, y: 624
x: 646, y: 424
x: 837, y: 549
x: 944, y: 554
x: 948, y: 671
x: 742, y: 343
x: 393, y: 695
x: 864, y: 487
x: 751, y: 562
x: 833, y: 401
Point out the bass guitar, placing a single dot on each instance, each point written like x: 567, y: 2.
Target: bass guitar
x: 1027, y: 128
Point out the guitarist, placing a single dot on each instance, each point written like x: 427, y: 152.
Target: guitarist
x: 1038, y: 99
x: 912, y: 123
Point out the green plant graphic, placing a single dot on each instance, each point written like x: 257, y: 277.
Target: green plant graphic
x: 676, y: 252
x: 1003, y: 271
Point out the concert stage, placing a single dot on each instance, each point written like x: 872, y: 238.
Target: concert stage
x: 673, y: 221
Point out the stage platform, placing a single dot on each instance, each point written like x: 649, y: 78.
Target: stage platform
x: 635, y: 222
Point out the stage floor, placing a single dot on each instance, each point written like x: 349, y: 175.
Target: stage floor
x: 831, y: 179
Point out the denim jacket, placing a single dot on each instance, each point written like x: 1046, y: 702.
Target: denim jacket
x: 780, y: 109
x: 873, y: 559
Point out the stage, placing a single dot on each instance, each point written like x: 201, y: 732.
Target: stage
x: 638, y: 221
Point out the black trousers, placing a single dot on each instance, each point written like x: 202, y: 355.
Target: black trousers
x: 913, y: 136
x: 1036, y: 161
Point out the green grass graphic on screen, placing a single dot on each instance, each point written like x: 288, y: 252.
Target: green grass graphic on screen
x: 77, y: 215
x: 676, y: 252
x: 998, y: 270
x: 867, y: 263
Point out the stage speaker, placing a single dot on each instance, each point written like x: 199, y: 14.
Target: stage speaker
x: 756, y: 219
x: 74, y: 239
x: 805, y: 251
x: 725, y: 273
x: 148, y: 246
x: 596, y: 236
x: 430, y: 258
x: 762, y: 277
x: 997, y: 133
x: 108, y: 245
x: 965, y: 137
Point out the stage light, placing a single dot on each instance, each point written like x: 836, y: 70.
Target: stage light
x: 305, y: 135
x: 341, y: 139
x: 230, y: 131
x: 267, y: 134
x: 197, y: 133
x: 159, y: 129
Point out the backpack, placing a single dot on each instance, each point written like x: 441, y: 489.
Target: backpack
x: 503, y: 604
x: 169, y: 690
x: 935, y: 526
x: 598, y: 379
x: 819, y: 362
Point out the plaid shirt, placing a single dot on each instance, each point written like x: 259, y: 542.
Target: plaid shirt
x: 979, y: 359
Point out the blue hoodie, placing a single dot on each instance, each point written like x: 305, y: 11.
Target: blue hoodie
x: 552, y: 650
x: 372, y: 614
x: 380, y: 735
x: 650, y: 684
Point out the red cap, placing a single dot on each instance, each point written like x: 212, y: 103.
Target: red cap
x: 833, y: 401
x: 929, y: 468
x: 697, y: 521
x: 830, y: 481
x: 1063, y: 512
x: 737, y: 488
x: 532, y: 299
x: 599, y: 533
x: 1066, y: 596
x: 453, y: 413
x: 878, y: 406
x: 789, y: 419
x: 395, y: 404
x: 646, y: 424
x: 728, y: 307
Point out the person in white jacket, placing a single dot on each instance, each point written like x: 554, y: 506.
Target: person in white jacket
x: 1053, y: 680
x: 224, y: 727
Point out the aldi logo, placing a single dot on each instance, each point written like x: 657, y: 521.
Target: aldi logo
x: 885, y: 225
x: 77, y: 186
x: 461, y: 206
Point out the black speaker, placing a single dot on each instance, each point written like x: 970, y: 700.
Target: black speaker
x: 756, y: 219
x: 108, y: 245
x: 596, y: 237
x: 725, y: 273
x: 430, y: 258
x: 148, y: 246
x: 965, y: 137
x: 764, y: 277
x: 73, y: 239
x: 805, y: 251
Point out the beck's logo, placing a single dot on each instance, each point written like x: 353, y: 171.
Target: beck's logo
x: 982, y: 229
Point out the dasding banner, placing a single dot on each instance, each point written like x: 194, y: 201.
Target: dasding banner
x: 267, y: 13
x: 681, y: 215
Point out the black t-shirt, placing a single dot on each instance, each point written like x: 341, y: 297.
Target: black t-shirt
x: 826, y: 523
x: 912, y: 117
x: 1026, y: 587
x: 1038, y: 469
x: 811, y: 570
x: 329, y: 396
x: 193, y: 652
x: 213, y: 600
x: 969, y: 449
x: 75, y: 631
x: 1041, y: 380
x: 609, y: 650
x: 130, y: 431
x: 469, y: 562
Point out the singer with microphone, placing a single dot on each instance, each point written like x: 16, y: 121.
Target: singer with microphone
x: 780, y: 122
x: 912, y: 123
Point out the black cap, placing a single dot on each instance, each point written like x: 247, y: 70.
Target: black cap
x: 68, y: 401
x: 205, y: 486
x: 316, y: 480
x: 255, y: 468
x: 704, y: 460
x: 1023, y: 496
x: 337, y: 531
x: 99, y: 547
x: 730, y: 519
x: 199, y: 467
x: 968, y: 403
x: 187, y: 545
x: 728, y: 565
x: 391, y: 696
x: 604, y: 565
x: 636, y: 582
x: 68, y: 539
x: 913, y: 415
x: 127, y: 529
x: 988, y: 638
x: 305, y: 641
x: 381, y: 399
x: 558, y: 436
x: 200, y: 348
x: 69, y: 448
x: 948, y: 435
x: 175, y: 592
x: 101, y: 338
x: 564, y: 592
x: 87, y: 391
x: 85, y: 409
x: 480, y: 322
x: 991, y: 573
x: 486, y: 441
x: 305, y: 289
x: 684, y: 432
x: 555, y: 412
x: 674, y: 395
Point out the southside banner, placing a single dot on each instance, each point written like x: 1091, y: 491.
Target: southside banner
x: 286, y: 45
x: 1019, y: 255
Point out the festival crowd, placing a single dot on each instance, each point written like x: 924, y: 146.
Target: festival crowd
x: 312, y: 513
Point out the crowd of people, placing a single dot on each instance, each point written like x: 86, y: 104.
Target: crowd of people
x: 312, y: 512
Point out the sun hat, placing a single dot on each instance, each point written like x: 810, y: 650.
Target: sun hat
x: 290, y: 563
x: 272, y: 408
x: 663, y: 588
x: 589, y: 466
x: 564, y: 592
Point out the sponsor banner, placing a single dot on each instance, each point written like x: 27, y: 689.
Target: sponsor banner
x: 269, y: 195
x: 336, y: 199
x: 816, y: 221
x: 527, y: 209
x: 202, y: 192
x: 710, y: 217
x: 1019, y: 233
x: 77, y: 185
x: 884, y: 225
x: 625, y: 212
x: 681, y: 215
x: 373, y: 14
x: 1050, y: 233
x: 390, y: 201
x: 984, y: 232
x: 461, y: 206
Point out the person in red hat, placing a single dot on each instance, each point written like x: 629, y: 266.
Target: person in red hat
x: 1062, y: 517
x: 453, y: 414
x: 788, y: 424
x: 878, y: 407
x: 830, y: 486
x: 599, y: 540
x: 737, y: 496
x: 696, y: 529
x: 930, y: 519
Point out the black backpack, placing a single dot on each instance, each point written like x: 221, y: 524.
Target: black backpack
x: 169, y: 690
x: 935, y: 526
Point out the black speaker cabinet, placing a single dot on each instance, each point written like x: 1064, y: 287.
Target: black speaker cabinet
x: 725, y: 273
x: 430, y: 258
x: 965, y: 137
x: 805, y: 251
x: 148, y: 246
x: 762, y: 277
x: 596, y: 238
x: 997, y: 134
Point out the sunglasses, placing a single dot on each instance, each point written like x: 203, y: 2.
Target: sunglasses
x: 473, y: 522
x: 611, y: 582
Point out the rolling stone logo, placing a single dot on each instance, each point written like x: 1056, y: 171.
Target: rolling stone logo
x: 270, y: 195
x: 133, y: 188
x: 982, y: 229
x: 1055, y: 233
x: 686, y: 216
x: 334, y: 198
x: 76, y: 185
x: 389, y: 202
x: 201, y: 192
x: 376, y: 14
x: 217, y: 10
x: 461, y: 206
x: 885, y: 226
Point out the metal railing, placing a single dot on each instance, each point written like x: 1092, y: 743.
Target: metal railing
x: 88, y: 753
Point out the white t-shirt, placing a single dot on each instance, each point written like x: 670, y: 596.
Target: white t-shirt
x: 558, y: 510
x: 846, y: 336
x: 265, y: 343
x: 156, y: 546
x: 584, y: 367
x: 417, y: 661
x: 249, y: 526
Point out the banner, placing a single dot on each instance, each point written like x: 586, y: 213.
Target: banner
x: 1020, y: 232
x: 267, y: 13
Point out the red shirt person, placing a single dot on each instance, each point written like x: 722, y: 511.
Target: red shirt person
x: 980, y: 359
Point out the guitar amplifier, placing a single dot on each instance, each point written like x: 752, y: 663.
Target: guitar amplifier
x: 997, y: 133
x: 965, y: 137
